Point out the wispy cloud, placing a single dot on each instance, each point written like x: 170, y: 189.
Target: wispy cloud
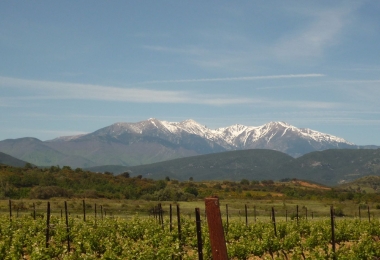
x: 8, y: 102
x: 250, y: 78
x: 313, y: 39
x: 187, y: 50
x: 61, y: 90
x: 44, y: 132
x: 38, y: 90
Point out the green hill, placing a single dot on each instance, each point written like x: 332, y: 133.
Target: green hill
x: 258, y: 164
x: 335, y: 166
x: 329, y: 167
x: 369, y: 184
x: 11, y: 161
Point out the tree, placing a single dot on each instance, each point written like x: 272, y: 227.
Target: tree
x: 77, y: 170
x: 67, y: 168
x: 244, y: 182
x: 160, y: 184
x: 125, y: 175
x: 28, y: 166
x: 192, y: 190
x: 255, y: 182
x: 191, y: 179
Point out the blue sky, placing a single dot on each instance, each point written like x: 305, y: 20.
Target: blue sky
x: 70, y: 67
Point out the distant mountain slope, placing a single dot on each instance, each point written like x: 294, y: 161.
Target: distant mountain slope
x: 40, y: 153
x: 328, y: 167
x: 153, y: 141
x: 336, y: 165
x: 368, y: 184
x: 256, y: 164
x: 11, y: 161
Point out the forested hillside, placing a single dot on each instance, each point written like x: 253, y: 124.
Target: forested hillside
x: 35, y: 183
x: 329, y: 167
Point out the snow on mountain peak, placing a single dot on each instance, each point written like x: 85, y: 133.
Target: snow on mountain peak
x: 232, y: 137
x: 240, y: 135
x: 67, y: 138
x: 322, y: 137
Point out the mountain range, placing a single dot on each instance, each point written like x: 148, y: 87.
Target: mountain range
x: 150, y: 141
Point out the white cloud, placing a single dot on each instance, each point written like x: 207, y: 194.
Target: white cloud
x: 60, y: 90
x: 313, y: 40
x: 289, y: 76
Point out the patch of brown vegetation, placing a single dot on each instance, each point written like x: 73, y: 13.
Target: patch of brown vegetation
x: 310, y: 185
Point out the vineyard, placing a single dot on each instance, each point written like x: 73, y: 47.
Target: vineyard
x: 161, y: 237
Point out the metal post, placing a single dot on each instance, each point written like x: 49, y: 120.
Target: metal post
x: 214, y: 221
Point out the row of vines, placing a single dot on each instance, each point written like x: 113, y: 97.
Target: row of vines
x: 147, y: 238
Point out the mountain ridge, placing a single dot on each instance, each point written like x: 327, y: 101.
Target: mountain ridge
x: 329, y: 167
x: 6, y: 159
x: 235, y: 135
x: 152, y: 140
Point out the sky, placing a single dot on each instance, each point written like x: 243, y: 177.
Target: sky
x: 73, y: 67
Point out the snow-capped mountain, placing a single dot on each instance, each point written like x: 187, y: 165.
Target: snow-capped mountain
x: 279, y: 136
x: 153, y: 140
x: 231, y: 137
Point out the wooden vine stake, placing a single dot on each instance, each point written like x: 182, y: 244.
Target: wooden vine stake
x: 199, y: 233
x: 179, y: 228
x: 170, y: 218
x: 47, y: 224
x: 246, y: 215
x: 10, y: 210
x: 369, y: 215
x: 34, y: 211
x: 274, y: 222
x: 227, y: 216
x: 95, y: 214
x: 161, y: 216
x: 332, y: 232
x: 67, y: 228
x: 84, y: 210
x: 216, y: 232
